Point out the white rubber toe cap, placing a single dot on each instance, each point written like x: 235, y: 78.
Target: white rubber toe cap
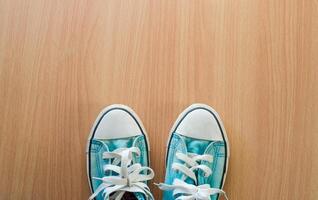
x: 117, y: 121
x: 201, y: 122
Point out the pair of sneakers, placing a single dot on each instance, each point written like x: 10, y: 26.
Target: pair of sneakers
x: 196, y: 157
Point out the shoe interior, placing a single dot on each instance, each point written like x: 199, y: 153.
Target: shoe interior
x: 127, y: 196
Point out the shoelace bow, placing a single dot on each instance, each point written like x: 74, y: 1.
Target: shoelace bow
x: 184, y: 191
x: 129, y: 178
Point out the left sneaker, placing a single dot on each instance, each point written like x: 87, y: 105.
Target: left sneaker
x: 118, y: 156
x: 197, y: 156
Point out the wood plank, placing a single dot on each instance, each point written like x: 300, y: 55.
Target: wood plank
x: 254, y: 61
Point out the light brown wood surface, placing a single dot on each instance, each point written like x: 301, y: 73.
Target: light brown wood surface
x: 254, y: 61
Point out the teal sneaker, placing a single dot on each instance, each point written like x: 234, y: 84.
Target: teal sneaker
x: 197, y: 156
x: 118, y: 156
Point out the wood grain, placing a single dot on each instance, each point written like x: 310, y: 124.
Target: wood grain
x: 254, y: 61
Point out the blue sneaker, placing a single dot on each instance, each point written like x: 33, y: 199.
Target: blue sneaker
x: 197, y: 156
x: 118, y: 156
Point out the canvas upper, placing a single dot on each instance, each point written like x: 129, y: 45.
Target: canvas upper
x: 199, y: 123
x: 109, y: 148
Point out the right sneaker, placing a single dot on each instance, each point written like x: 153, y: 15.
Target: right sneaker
x: 118, y: 156
x: 197, y: 156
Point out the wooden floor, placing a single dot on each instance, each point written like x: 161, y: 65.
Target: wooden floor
x: 254, y: 61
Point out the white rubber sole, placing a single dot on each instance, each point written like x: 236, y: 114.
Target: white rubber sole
x: 101, y: 114
x: 185, y: 112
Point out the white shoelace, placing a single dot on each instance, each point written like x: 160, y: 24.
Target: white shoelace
x: 184, y: 191
x: 129, y: 178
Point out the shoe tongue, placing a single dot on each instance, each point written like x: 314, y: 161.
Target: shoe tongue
x: 139, y: 196
x: 195, y: 145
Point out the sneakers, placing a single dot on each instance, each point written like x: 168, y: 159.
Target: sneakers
x: 197, y: 156
x: 196, y: 159
x: 118, y: 156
